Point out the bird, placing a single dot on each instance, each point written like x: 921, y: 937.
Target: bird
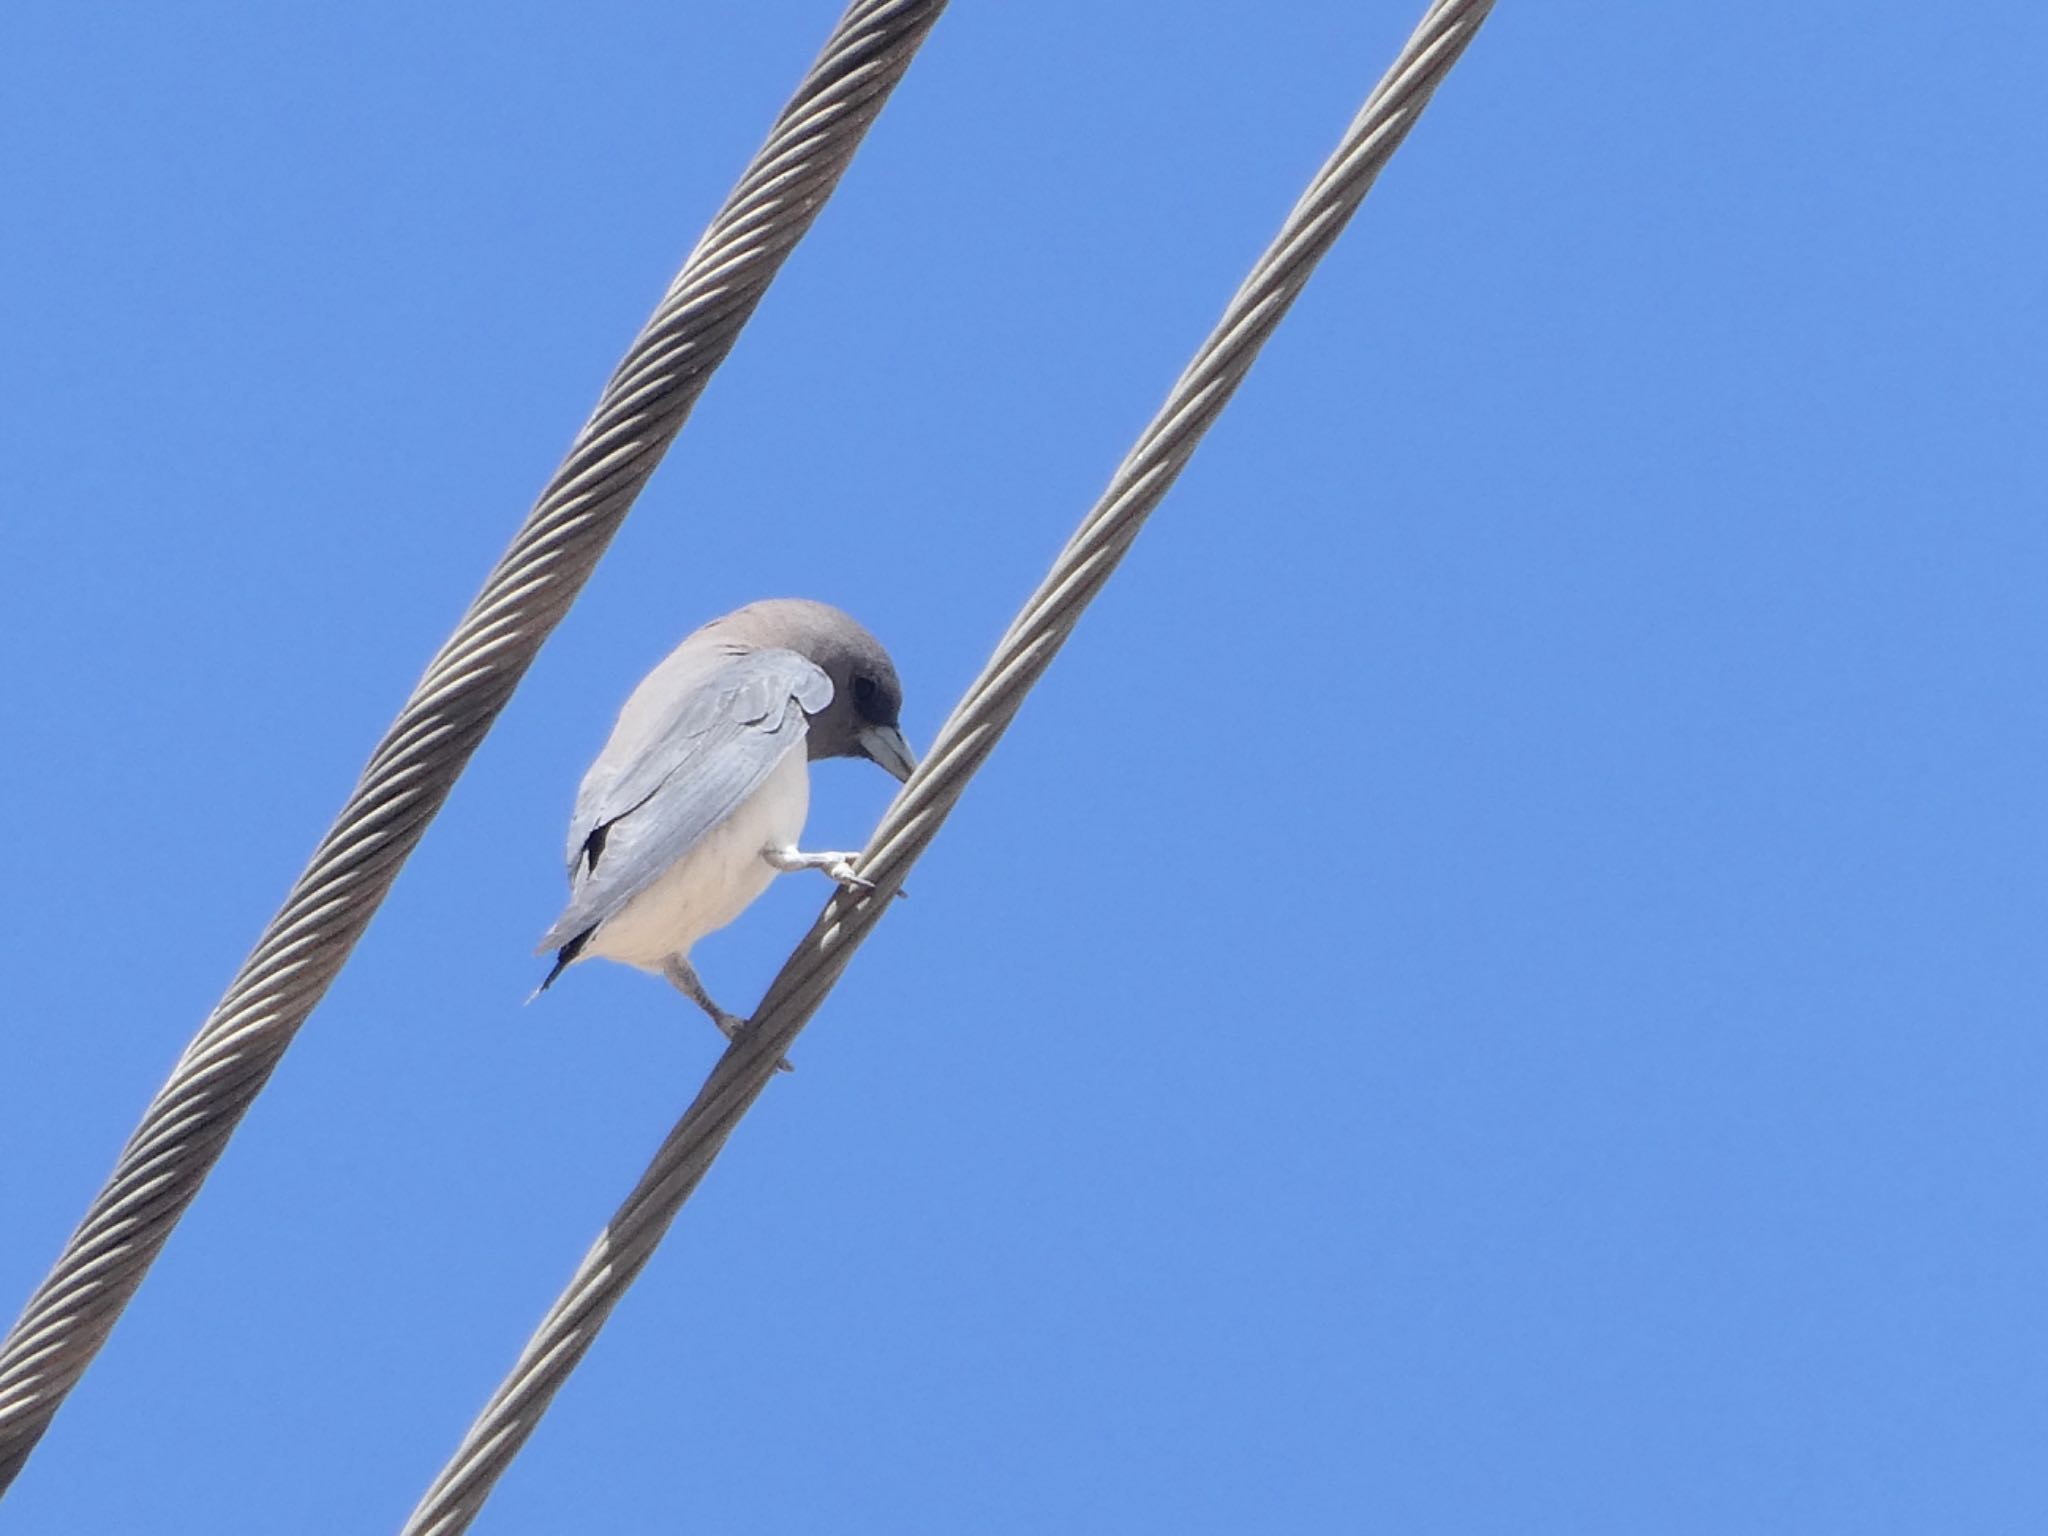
x: 699, y: 797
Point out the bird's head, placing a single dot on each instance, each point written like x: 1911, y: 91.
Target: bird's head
x: 867, y: 698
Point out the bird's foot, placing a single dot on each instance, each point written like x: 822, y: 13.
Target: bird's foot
x: 839, y: 866
x: 684, y: 977
x: 733, y: 1028
x: 841, y: 870
x: 860, y: 885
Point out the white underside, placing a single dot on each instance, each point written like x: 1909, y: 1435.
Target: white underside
x: 715, y: 881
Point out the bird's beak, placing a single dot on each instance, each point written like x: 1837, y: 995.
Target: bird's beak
x: 884, y: 744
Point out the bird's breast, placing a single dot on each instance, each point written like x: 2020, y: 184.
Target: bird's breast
x: 717, y: 879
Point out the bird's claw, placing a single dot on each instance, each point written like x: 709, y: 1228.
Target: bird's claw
x: 733, y: 1027
x: 860, y: 885
x: 843, y: 872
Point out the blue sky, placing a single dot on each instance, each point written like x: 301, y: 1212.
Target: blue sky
x: 1497, y: 985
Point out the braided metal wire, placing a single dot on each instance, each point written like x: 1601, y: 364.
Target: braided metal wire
x: 965, y: 740
x: 414, y: 766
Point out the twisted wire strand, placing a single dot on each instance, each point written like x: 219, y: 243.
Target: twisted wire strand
x: 963, y: 742
x: 414, y: 766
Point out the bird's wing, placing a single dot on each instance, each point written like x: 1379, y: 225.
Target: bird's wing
x: 680, y: 762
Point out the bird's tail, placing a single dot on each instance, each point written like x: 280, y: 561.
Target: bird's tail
x: 564, y: 958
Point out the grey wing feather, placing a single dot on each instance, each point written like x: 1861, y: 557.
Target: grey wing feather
x: 707, y: 733
x: 596, y: 800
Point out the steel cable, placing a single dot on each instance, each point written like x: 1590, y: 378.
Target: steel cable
x: 963, y: 742
x: 415, y: 765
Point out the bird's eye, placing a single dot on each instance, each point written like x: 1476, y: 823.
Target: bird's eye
x: 864, y: 691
